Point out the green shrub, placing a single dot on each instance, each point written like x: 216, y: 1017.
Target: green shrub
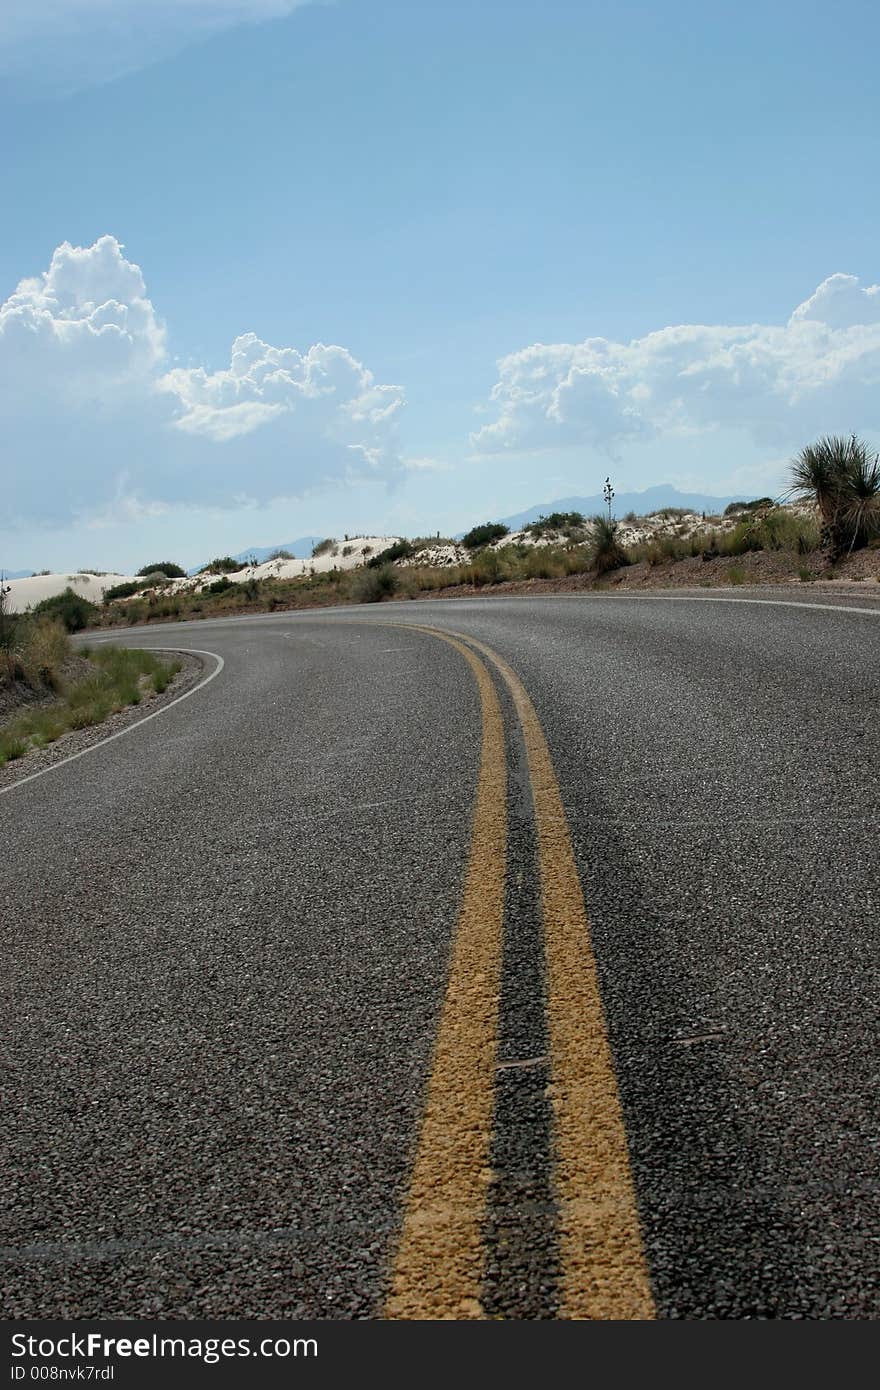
x: 12, y: 746
x: 484, y: 534
x: 607, y: 552
x: 734, y: 508
x: 544, y: 562
x: 71, y: 609
x: 220, y: 585
x: 125, y: 590
x: 114, y: 682
x: 224, y: 564
x: 485, y: 568
x: 842, y: 477
x: 557, y: 521
x: 372, y: 585
x: 166, y: 567
x: 45, y: 649
x: 323, y: 546
x: 400, y: 550
x: 420, y: 543
x: 165, y: 674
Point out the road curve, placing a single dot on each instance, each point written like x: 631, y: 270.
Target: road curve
x: 489, y: 958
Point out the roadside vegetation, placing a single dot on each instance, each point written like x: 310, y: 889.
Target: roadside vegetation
x: 485, y: 534
x: 831, y: 511
x: 842, y: 477
x: 165, y: 568
x: 48, y: 689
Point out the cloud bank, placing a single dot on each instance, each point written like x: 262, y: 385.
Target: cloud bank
x: 62, y: 45
x: 817, y: 373
x: 95, y: 418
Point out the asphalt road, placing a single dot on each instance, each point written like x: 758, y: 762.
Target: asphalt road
x: 232, y: 1008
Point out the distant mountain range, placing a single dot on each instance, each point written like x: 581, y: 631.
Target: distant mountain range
x: 300, y: 550
x: 642, y: 503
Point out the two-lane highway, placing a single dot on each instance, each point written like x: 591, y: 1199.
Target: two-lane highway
x: 506, y: 958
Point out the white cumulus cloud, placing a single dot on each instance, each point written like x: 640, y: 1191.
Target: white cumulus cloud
x: 819, y: 372
x: 95, y: 416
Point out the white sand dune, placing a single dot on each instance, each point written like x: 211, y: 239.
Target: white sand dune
x: 358, y: 550
x: 342, y: 555
x: 26, y: 593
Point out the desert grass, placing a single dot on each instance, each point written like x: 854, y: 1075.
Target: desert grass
x: 119, y: 678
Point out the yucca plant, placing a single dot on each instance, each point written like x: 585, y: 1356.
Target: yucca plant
x: 860, y: 504
x: 842, y: 477
x: 606, y: 549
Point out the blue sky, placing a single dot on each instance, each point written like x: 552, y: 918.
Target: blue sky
x: 548, y: 241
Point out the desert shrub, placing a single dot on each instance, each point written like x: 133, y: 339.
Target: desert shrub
x: 842, y: 477
x: 576, y: 559
x: 45, y: 649
x: 400, y: 550
x: 484, y: 534
x: 165, y: 567
x: 224, y: 564
x: 220, y: 585
x: 12, y: 746
x: 607, y: 552
x: 71, y: 609
x: 745, y: 536
x: 125, y: 590
x: 557, y: 521
x: 544, y: 563
x: 735, y: 508
x: 419, y: 543
x: 323, y: 546
x: 372, y: 585
x: 282, y: 554
x: 165, y: 674
x: 785, y: 530
x: 114, y: 682
x: 485, y: 568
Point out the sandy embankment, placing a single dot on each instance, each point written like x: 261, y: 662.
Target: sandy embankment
x: 344, y: 555
x: 26, y: 593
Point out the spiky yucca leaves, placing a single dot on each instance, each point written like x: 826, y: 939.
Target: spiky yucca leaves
x: 860, y: 502
x: 606, y: 549
x: 842, y: 477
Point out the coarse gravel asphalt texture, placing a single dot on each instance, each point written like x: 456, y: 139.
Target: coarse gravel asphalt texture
x: 226, y: 939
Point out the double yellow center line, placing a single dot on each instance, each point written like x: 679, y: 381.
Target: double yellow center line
x: 439, y: 1265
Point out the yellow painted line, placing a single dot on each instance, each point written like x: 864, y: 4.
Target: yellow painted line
x: 438, y: 1268
x: 603, y: 1269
